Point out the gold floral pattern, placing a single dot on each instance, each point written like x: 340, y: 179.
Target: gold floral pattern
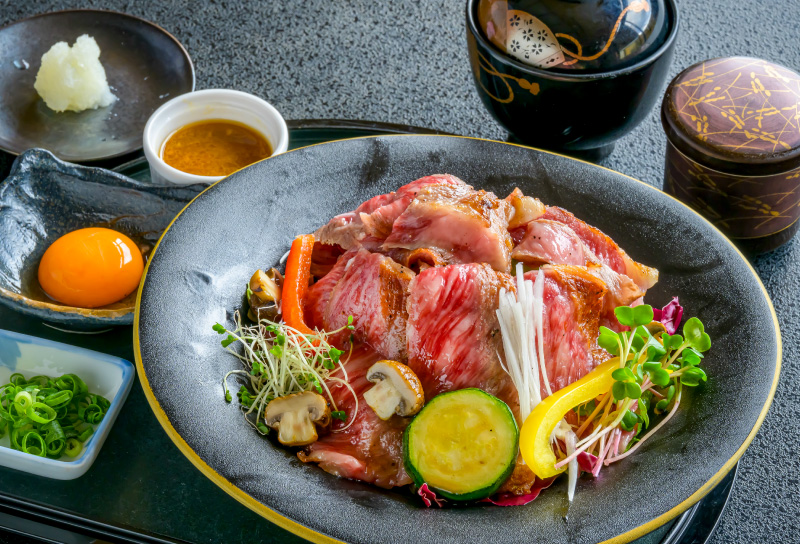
x: 741, y: 105
x: 742, y: 206
x: 481, y: 63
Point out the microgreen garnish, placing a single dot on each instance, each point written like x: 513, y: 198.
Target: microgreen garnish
x: 279, y: 360
x: 654, y: 367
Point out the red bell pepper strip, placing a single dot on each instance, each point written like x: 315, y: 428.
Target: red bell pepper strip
x: 295, y: 283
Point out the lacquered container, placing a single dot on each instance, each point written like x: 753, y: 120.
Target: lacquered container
x: 572, y: 76
x: 733, y: 151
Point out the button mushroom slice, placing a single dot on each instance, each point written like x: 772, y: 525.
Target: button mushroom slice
x: 297, y: 416
x: 397, y: 390
x: 265, y: 289
x: 656, y: 327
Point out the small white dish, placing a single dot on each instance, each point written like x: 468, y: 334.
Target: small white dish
x: 104, y: 375
x: 205, y: 105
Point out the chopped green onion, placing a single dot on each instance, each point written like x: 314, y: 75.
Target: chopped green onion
x: 22, y: 400
x: 47, y: 416
x: 86, y: 434
x: 56, y: 400
x: 72, y: 383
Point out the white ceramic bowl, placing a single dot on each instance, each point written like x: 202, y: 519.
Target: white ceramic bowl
x: 104, y: 375
x: 205, y: 105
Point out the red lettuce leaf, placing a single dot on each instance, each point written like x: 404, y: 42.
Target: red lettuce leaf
x: 429, y: 497
x: 509, y: 499
x: 586, y: 461
x: 670, y: 315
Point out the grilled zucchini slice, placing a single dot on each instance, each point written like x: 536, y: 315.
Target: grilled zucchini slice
x: 463, y: 444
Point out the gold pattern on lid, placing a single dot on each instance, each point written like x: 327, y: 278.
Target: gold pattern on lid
x: 738, y: 108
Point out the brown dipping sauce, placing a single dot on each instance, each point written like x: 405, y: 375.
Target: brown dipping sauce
x: 216, y: 147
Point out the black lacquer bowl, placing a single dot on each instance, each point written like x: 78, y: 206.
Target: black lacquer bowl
x: 44, y: 198
x: 205, y: 258
x: 579, y: 113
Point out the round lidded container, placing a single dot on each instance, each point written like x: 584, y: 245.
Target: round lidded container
x: 572, y: 76
x: 733, y: 150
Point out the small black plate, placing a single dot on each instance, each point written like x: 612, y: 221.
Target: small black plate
x: 144, y: 64
x: 195, y: 278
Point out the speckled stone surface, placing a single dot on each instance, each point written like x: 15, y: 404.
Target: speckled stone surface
x: 406, y: 62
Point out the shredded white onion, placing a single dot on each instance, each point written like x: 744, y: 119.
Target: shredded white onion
x: 572, y: 469
x: 538, y: 312
x: 520, y: 318
x: 564, y: 432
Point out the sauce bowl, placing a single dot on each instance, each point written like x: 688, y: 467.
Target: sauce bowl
x: 224, y: 104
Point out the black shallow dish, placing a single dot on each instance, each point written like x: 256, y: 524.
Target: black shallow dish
x: 144, y: 64
x: 204, y: 259
x: 44, y: 198
x: 578, y: 113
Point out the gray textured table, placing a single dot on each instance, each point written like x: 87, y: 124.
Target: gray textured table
x: 378, y: 60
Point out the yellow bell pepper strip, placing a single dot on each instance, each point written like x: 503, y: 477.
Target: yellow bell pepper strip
x: 295, y: 283
x: 534, y: 437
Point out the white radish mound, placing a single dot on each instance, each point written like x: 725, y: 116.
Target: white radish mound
x: 72, y: 78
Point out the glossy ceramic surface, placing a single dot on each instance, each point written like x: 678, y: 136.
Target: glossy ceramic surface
x: 44, y: 198
x: 209, y: 104
x: 145, y: 66
x: 206, y: 256
x: 576, y: 113
x: 104, y: 375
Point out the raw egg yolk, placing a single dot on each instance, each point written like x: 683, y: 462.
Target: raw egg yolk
x: 91, y: 267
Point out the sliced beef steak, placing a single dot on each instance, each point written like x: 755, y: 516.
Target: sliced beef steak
x: 573, y: 300
x: 372, y: 221
x: 370, y: 287
x: 551, y: 242
x: 470, y: 226
x: 453, y: 334
x: 605, y: 249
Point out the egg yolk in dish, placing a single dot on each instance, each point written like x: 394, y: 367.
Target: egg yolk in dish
x: 91, y: 267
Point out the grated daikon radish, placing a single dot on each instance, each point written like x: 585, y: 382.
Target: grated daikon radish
x: 72, y: 78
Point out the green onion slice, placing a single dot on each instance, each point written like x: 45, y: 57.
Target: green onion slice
x: 37, y: 447
x: 73, y: 447
x: 41, y: 413
x: 72, y: 383
x: 84, y: 436
x: 22, y: 400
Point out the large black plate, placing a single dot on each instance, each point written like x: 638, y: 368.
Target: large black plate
x: 198, y: 271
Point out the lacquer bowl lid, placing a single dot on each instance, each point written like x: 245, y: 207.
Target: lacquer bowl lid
x: 575, y: 35
x: 736, y: 114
